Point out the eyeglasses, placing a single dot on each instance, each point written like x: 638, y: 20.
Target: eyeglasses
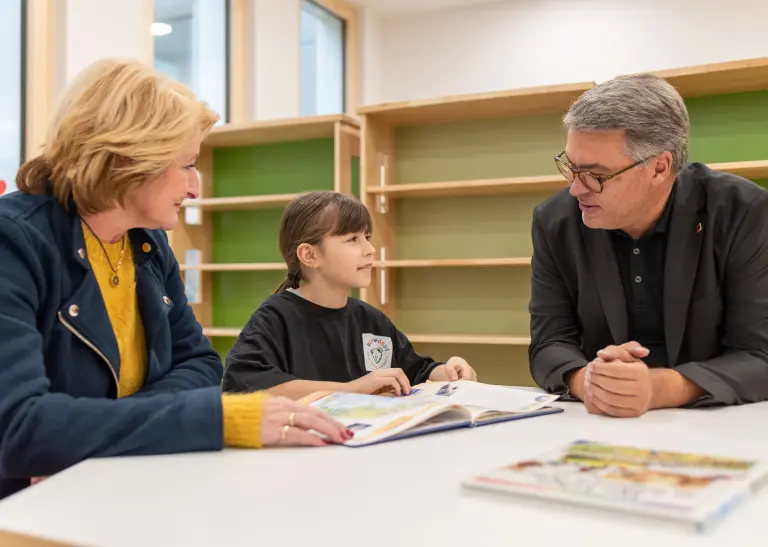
x: 591, y: 181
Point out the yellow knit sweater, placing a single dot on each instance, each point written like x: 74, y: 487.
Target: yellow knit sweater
x: 242, y: 413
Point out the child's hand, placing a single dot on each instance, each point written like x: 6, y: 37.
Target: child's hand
x: 392, y: 380
x: 455, y: 368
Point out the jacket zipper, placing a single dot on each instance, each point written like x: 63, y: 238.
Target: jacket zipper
x: 94, y: 348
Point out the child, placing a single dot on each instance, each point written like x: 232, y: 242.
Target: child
x: 310, y: 335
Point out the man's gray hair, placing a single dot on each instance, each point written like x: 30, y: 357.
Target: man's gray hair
x: 650, y: 111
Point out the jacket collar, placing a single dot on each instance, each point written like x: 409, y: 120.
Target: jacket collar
x: 144, y: 243
x: 684, y: 220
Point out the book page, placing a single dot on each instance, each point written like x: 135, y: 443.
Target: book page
x: 374, y: 417
x: 483, y: 397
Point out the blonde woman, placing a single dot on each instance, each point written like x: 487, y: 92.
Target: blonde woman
x: 100, y: 355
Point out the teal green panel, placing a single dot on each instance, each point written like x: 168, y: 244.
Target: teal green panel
x: 246, y: 236
x: 279, y: 168
x: 501, y: 365
x: 236, y: 295
x: 463, y: 301
x: 222, y: 345
x: 466, y: 227
x: 727, y: 128
x: 356, y: 176
x: 478, y: 149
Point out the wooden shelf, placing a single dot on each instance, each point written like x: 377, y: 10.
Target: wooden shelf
x: 412, y: 263
x: 453, y: 262
x: 718, y: 78
x: 234, y: 267
x: 242, y: 203
x: 752, y: 170
x: 283, y: 130
x: 479, y: 339
x: 511, y: 185
x: 221, y: 332
x: 500, y: 104
x: 521, y: 185
x: 474, y: 339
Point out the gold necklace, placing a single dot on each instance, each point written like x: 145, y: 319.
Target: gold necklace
x: 115, y: 280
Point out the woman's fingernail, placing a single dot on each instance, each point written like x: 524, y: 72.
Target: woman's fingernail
x: 350, y: 433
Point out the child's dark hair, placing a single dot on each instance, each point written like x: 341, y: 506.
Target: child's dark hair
x: 311, y: 217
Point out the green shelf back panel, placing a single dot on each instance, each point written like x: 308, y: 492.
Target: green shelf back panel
x: 236, y: 295
x: 252, y: 236
x: 356, y: 176
x: 222, y: 345
x: 466, y: 227
x: 504, y: 365
x: 494, y: 300
x: 730, y: 127
x: 280, y: 168
x: 246, y: 236
x: 490, y: 301
x: 478, y: 149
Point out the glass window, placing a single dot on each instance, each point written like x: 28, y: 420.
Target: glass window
x: 190, y: 45
x: 322, y: 61
x: 11, y: 91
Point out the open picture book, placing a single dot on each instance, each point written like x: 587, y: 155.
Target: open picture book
x: 697, y: 490
x: 430, y: 407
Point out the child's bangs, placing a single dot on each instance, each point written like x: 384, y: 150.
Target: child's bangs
x: 351, y: 216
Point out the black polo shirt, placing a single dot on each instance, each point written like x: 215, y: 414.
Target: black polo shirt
x: 641, y: 263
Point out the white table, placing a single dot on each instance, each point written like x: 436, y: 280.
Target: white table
x: 401, y: 493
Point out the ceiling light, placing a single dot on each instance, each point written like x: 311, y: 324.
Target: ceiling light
x: 160, y: 29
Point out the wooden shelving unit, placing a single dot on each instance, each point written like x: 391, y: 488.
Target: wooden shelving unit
x: 451, y: 182
x: 436, y: 168
x: 719, y: 78
x: 226, y: 241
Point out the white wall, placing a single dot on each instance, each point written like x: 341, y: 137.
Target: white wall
x: 521, y: 43
x: 10, y: 93
x: 95, y: 29
x: 277, y: 52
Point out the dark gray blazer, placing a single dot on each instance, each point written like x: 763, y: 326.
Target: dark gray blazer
x: 715, y: 288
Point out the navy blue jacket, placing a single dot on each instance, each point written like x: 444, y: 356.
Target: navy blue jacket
x: 59, y: 360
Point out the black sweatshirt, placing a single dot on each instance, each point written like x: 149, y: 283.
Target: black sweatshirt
x: 290, y: 338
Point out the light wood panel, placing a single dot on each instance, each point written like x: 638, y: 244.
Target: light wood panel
x: 221, y: 332
x: 246, y: 267
x: 198, y: 236
x: 453, y: 263
x: 527, y: 185
x: 377, y: 165
x: 283, y: 130
x: 719, y: 78
x: 241, y: 203
x: 44, y: 36
x: 241, y: 62
x: 16, y: 539
x: 500, y: 104
x: 469, y: 339
x: 485, y: 187
x: 752, y: 170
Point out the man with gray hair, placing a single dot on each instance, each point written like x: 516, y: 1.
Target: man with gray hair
x: 649, y: 275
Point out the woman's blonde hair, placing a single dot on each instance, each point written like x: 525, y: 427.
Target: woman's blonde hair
x: 118, y: 123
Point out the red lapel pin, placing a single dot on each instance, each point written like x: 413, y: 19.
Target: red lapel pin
x: 699, y: 228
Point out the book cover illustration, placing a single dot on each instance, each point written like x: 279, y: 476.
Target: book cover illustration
x: 659, y: 481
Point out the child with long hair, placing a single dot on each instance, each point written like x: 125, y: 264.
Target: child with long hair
x: 310, y: 335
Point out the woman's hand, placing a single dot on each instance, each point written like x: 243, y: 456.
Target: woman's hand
x: 385, y: 380
x: 286, y: 422
x: 454, y: 369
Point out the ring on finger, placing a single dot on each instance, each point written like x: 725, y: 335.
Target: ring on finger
x: 291, y: 418
x: 284, y: 434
